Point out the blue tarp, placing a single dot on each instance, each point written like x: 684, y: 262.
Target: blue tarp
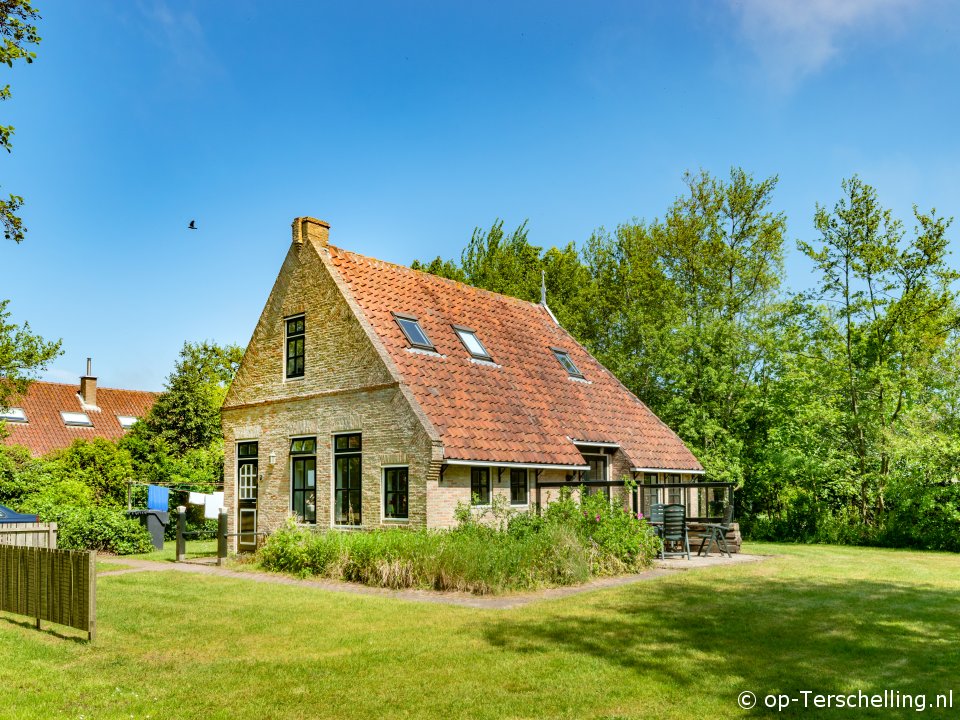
x: 158, y: 498
x: 9, y: 516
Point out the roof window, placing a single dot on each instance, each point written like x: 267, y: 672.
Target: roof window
x: 13, y: 415
x: 77, y: 419
x: 413, y: 332
x: 563, y: 357
x: 127, y: 421
x: 472, y: 343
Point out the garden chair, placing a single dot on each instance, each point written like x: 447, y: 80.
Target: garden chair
x: 717, y: 533
x: 656, y: 524
x: 675, y: 531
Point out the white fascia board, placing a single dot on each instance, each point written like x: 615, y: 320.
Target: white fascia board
x: 535, y: 466
x: 669, y: 470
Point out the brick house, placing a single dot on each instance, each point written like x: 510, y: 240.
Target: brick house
x: 50, y: 416
x: 371, y: 394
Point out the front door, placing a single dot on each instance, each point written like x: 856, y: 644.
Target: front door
x: 247, y: 482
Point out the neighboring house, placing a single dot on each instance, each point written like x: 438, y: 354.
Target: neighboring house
x: 50, y: 416
x: 371, y: 394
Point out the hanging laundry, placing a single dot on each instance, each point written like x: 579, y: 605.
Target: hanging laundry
x: 211, y: 508
x: 197, y: 499
x: 158, y: 498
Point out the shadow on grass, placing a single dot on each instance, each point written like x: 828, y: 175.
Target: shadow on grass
x: 48, y: 628
x: 714, y: 635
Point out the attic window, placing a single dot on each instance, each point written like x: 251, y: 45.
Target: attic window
x: 563, y: 357
x: 16, y: 415
x: 472, y: 343
x: 127, y: 421
x: 13, y: 415
x: 414, y: 333
x: 76, y: 419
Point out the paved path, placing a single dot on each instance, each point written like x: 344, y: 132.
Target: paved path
x: 489, y: 602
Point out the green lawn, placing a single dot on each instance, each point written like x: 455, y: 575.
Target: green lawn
x: 825, y: 619
x: 195, y: 548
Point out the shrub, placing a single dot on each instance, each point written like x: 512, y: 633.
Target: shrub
x: 490, y: 551
x: 98, y: 528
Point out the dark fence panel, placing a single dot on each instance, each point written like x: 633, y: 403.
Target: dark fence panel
x: 59, y: 586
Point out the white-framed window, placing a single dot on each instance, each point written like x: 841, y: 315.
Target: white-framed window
x: 75, y: 419
x: 13, y: 414
x: 248, y: 482
x: 127, y: 421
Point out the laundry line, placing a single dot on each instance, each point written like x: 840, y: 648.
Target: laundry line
x: 158, y: 496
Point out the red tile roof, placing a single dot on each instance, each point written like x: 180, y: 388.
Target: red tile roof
x: 45, y: 430
x: 523, y: 407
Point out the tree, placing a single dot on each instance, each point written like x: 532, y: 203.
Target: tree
x: 18, y: 33
x: 22, y: 356
x: 892, y: 311
x: 187, y: 415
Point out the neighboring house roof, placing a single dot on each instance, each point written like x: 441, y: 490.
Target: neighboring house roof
x: 523, y: 407
x: 45, y: 429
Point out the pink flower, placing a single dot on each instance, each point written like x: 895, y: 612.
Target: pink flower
x: 598, y: 518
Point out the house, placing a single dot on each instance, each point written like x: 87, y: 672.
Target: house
x: 50, y: 416
x: 371, y: 394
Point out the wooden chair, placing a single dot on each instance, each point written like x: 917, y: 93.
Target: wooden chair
x: 717, y: 533
x: 675, y: 531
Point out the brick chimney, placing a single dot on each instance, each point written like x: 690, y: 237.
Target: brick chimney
x: 88, y: 387
x: 308, y: 229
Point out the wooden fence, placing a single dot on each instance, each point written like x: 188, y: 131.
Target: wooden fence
x: 59, y: 586
x: 29, y: 535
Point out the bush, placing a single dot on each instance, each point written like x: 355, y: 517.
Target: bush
x: 491, y: 550
x: 98, y: 528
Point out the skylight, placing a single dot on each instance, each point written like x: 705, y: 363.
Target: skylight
x: 13, y: 415
x: 127, y: 421
x: 472, y: 343
x: 415, y: 334
x: 77, y: 419
x: 563, y: 357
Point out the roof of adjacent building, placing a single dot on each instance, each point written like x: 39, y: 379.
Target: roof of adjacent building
x: 45, y: 430
x: 523, y: 407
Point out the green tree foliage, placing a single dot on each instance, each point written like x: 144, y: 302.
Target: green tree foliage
x: 18, y: 34
x: 180, y: 440
x: 22, y: 356
x: 836, y: 411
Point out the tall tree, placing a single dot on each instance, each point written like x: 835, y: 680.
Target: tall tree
x: 893, y: 309
x: 19, y: 34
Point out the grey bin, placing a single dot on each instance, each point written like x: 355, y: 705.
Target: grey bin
x: 155, y: 521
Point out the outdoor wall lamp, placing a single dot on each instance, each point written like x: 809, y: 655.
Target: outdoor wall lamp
x: 273, y: 458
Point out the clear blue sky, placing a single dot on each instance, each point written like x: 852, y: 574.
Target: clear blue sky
x: 407, y: 124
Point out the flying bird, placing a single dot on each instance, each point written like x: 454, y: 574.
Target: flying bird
x: 192, y: 225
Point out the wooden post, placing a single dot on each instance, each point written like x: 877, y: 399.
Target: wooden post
x: 222, y: 536
x: 92, y: 604
x: 36, y: 580
x: 181, y: 528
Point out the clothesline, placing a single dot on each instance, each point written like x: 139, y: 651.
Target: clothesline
x: 181, y: 487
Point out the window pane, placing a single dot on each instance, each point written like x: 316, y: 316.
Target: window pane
x: 518, y: 487
x: 473, y: 344
x: 414, y: 332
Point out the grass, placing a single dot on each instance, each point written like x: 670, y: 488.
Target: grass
x: 821, y: 618
x: 108, y: 566
x: 195, y: 548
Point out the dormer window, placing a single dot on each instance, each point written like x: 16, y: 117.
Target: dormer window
x: 296, y: 346
x: 413, y: 332
x: 472, y: 343
x: 563, y: 357
x: 75, y: 419
x: 16, y: 415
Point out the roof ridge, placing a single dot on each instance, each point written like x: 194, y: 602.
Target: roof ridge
x: 99, y: 387
x: 428, y: 275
